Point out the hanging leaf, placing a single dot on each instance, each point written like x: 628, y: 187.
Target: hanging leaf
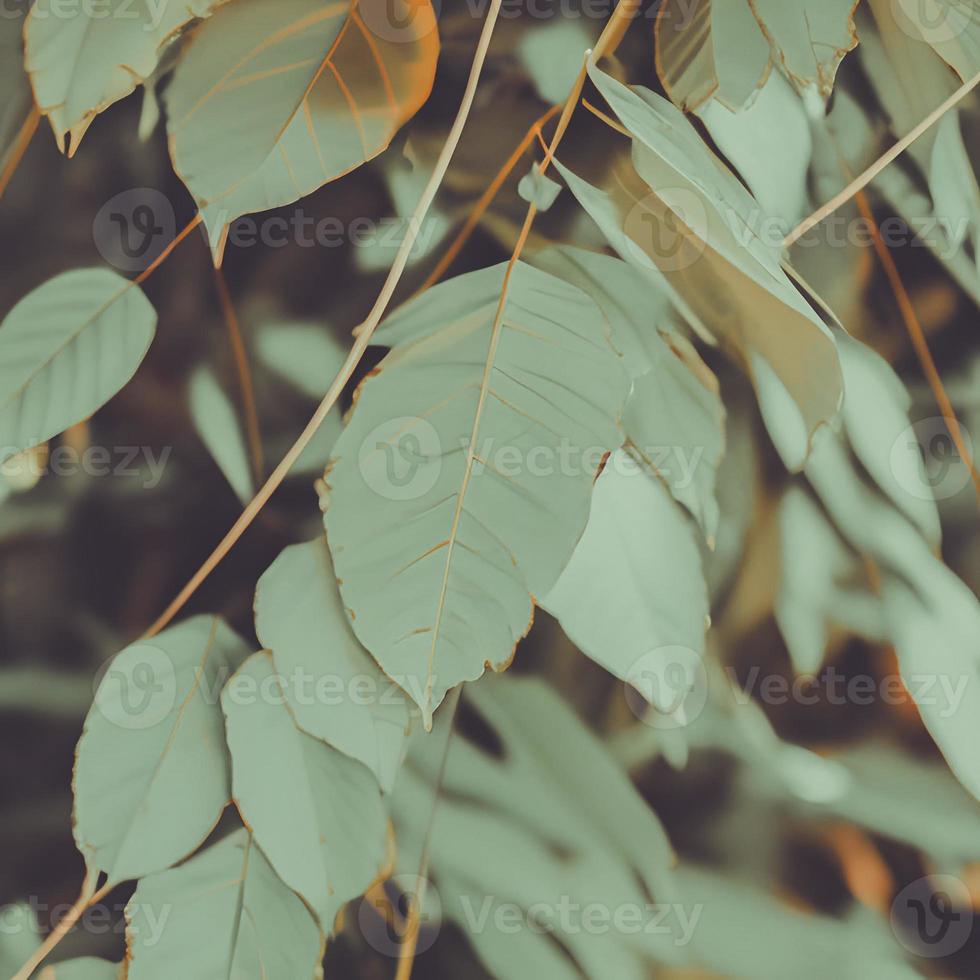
x: 65, y: 350
x: 674, y: 418
x: 228, y: 891
x: 950, y: 27
x: 727, y: 48
x: 84, y: 59
x: 152, y: 772
x: 461, y: 484
x: 217, y: 424
x: 315, y: 813
x: 700, y: 228
x: 547, y: 821
x: 271, y: 101
x: 20, y: 938
x: 634, y: 588
x: 334, y: 689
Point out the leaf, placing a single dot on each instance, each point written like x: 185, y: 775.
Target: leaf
x: 271, y: 101
x: 83, y: 60
x: 86, y: 968
x: 700, y: 227
x: 634, y: 589
x: 152, y: 771
x: 551, y: 53
x: 217, y: 425
x: 674, y: 418
x: 727, y: 48
x: 545, y: 822
x: 305, y: 354
x: 65, y: 350
x: 300, y: 618
x: 538, y: 188
x: 315, y: 812
x: 461, y: 484
x: 950, y: 27
x: 20, y: 937
x: 225, y: 913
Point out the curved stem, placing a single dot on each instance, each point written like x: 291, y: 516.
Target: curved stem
x: 86, y: 899
x: 363, y: 335
x: 19, y: 147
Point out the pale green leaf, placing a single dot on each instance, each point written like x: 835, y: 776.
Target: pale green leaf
x: 727, y: 48
x: 20, y: 937
x: 674, y: 418
x: 462, y: 482
x: 152, y: 771
x: 950, y: 27
x: 86, y: 968
x: 334, y: 689
x: 225, y: 913
x: 552, y: 54
x: 217, y: 424
x: 315, y: 812
x: 82, y: 58
x: 634, y: 585
x: 271, y: 101
x: 306, y: 354
x: 538, y: 189
x: 65, y: 350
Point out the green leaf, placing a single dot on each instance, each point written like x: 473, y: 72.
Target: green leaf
x: 305, y: 354
x: 271, y: 101
x: 701, y: 228
x: 300, y: 618
x: 225, y: 913
x: 217, y: 424
x: 634, y: 587
x: 727, y: 49
x: 85, y: 57
x: 950, y: 27
x: 152, y: 771
x: 674, y: 418
x: 65, y: 350
x: 462, y: 482
x: 538, y: 188
x: 20, y: 937
x: 547, y: 820
x: 315, y: 812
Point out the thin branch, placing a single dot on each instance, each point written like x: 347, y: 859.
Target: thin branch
x: 486, y: 198
x: 918, y: 338
x: 245, y: 386
x: 19, y: 147
x: 88, y: 897
x: 862, y: 181
x: 165, y: 254
x: 362, y: 340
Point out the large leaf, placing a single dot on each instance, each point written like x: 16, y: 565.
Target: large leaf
x: 461, y: 484
x: 547, y: 821
x: 225, y: 913
x: 315, y: 812
x: 677, y: 210
x: 152, y: 771
x: 950, y: 27
x: 674, y: 419
x: 65, y: 350
x: 726, y: 48
x: 83, y: 62
x: 334, y: 689
x: 271, y: 101
x: 634, y: 590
